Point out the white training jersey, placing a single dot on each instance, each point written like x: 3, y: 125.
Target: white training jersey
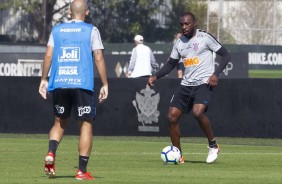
x: 142, y: 61
x: 96, y: 41
x: 197, y: 56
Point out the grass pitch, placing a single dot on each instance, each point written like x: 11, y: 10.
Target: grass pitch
x: 122, y: 160
x: 265, y: 73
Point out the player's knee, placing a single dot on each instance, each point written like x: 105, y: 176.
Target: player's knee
x: 198, y: 114
x: 61, y: 122
x: 172, y: 118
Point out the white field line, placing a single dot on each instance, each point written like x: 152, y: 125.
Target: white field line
x: 200, y: 153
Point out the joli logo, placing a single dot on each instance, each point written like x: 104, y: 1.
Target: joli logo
x: 69, y: 54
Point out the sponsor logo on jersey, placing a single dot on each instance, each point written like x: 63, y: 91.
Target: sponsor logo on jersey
x: 196, y: 47
x: 71, y: 81
x: 84, y: 110
x: 71, y: 42
x: 67, y: 54
x: 60, y: 109
x: 71, y: 30
x: 68, y: 70
x: 191, y: 61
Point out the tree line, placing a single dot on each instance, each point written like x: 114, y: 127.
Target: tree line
x: 117, y: 20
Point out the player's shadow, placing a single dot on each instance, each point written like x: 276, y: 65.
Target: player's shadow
x: 195, y: 162
x: 63, y: 177
x: 69, y: 176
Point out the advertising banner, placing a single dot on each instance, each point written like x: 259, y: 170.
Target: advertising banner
x: 244, y: 58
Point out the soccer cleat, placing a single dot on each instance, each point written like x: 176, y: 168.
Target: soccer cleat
x: 83, y: 176
x: 181, y: 160
x: 50, y: 165
x: 212, y: 155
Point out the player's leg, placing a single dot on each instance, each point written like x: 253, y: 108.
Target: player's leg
x: 56, y: 133
x: 55, y: 136
x: 198, y: 112
x: 201, y: 102
x: 180, y: 102
x: 173, y: 116
x: 62, y: 109
x: 84, y: 145
x: 84, y: 103
x: 204, y: 122
x: 85, y: 142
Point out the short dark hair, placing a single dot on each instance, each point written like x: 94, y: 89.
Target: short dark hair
x: 189, y: 14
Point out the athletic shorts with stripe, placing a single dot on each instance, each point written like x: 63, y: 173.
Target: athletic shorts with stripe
x: 186, y: 96
x: 81, y: 101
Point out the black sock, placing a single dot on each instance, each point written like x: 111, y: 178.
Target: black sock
x: 83, y: 161
x: 53, y: 145
x: 212, y: 143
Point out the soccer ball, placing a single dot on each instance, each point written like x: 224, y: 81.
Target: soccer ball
x: 170, y: 154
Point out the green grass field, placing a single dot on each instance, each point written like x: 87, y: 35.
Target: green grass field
x: 265, y: 73
x: 122, y: 160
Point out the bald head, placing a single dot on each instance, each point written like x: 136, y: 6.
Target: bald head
x: 79, y: 9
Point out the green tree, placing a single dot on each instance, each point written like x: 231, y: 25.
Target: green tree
x: 119, y: 20
x: 35, y: 20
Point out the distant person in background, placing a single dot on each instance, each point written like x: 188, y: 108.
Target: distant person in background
x: 142, y: 62
x: 195, y: 47
x: 69, y: 55
x: 179, y: 67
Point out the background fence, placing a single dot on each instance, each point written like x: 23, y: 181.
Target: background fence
x: 239, y: 108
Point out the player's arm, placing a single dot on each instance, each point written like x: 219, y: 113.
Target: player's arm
x: 97, y: 48
x: 45, y: 70
x: 132, y: 62
x: 225, y: 58
x: 47, y: 62
x: 154, y: 63
x: 170, y: 65
x: 100, y: 65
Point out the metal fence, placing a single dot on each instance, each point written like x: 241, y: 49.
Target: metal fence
x: 256, y: 22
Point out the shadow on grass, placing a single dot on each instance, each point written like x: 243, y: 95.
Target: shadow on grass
x: 65, y: 177
x: 195, y: 162
x: 58, y: 177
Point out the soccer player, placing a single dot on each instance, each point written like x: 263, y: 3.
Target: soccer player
x: 195, y: 47
x: 69, y: 55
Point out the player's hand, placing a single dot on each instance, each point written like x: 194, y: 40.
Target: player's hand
x: 43, y: 88
x: 151, y: 80
x: 213, y: 80
x: 103, y: 95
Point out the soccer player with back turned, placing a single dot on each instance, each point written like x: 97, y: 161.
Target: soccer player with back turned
x: 195, y: 47
x: 69, y: 55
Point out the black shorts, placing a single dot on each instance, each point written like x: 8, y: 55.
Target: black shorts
x: 81, y: 100
x: 186, y: 96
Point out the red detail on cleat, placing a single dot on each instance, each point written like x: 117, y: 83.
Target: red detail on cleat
x: 83, y: 176
x: 49, y: 167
